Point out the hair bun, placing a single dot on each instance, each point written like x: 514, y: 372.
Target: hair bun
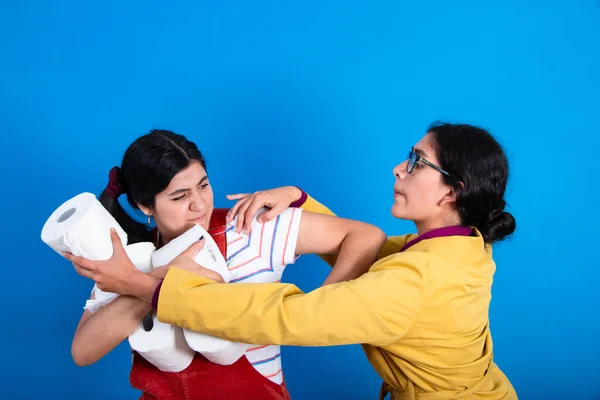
x: 498, y: 226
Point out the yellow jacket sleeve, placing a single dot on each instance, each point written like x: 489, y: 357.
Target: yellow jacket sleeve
x: 314, y: 206
x: 377, y: 308
x: 391, y: 246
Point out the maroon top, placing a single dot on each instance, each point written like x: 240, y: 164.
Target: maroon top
x: 457, y: 230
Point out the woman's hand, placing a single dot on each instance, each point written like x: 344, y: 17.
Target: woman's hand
x: 186, y: 261
x: 116, y: 275
x: 248, y: 205
x: 119, y: 275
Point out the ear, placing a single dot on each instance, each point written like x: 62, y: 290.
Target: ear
x: 451, y: 194
x: 146, y: 210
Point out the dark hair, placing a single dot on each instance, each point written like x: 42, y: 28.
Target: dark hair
x: 148, y: 166
x: 473, y: 155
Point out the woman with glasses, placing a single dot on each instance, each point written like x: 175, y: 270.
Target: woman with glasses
x: 421, y: 311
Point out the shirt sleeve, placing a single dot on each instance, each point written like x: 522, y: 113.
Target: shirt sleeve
x: 377, y: 308
x: 285, y: 228
x: 269, y: 247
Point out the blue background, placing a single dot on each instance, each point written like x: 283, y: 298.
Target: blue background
x: 327, y: 95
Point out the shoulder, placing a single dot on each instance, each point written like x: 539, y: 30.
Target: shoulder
x: 393, y: 245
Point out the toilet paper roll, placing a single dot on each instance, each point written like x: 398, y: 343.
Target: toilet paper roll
x: 219, y: 351
x: 81, y: 226
x: 216, y: 350
x: 209, y: 257
x: 164, y: 346
x: 140, y: 255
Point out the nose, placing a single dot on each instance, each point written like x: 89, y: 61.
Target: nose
x: 197, y: 204
x: 399, y: 170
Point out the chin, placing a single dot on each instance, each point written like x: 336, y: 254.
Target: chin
x: 397, y: 211
x: 400, y: 211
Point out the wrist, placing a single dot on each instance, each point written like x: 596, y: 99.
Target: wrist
x: 160, y: 272
x: 144, y: 286
x: 298, y: 197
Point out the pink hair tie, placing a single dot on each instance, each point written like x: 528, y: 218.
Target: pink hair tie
x: 114, y: 188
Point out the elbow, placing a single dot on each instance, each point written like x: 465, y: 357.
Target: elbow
x: 372, y: 237
x: 377, y: 237
x: 79, y: 356
x: 79, y: 359
x: 380, y: 237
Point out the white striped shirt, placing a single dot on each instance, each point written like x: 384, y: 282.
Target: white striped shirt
x: 261, y: 257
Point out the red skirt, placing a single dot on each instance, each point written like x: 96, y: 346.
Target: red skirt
x: 203, y: 379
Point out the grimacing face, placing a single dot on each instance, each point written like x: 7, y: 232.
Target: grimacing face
x: 187, y: 200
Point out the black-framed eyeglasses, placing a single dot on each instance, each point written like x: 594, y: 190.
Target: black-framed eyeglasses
x: 414, y: 158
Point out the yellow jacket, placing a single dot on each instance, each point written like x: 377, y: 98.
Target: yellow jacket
x: 421, y: 315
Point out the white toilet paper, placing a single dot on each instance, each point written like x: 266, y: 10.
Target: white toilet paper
x: 140, y: 255
x: 164, y: 346
x: 81, y: 226
x: 216, y: 350
x: 209, y: 257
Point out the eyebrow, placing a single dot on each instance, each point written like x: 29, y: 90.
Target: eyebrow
x: 419, y: 152
x: 178, y: 191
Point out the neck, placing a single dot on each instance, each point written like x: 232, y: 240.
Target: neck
x: 429, y: 225
x: 162, y: 240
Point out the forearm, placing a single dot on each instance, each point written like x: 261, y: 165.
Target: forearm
x: 107, y: 328
x: 357, y: 253
x: 113, y: 323
x: 392, y: 245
